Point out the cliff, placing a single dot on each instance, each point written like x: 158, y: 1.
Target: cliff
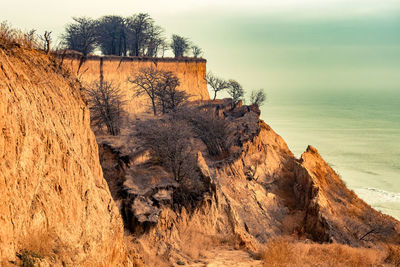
x: 255, y: 193
x: 190, y: 71
x: 55, y: 206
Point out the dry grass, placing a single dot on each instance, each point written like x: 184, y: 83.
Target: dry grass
x: 37, y: 245
x: 40, y: 241
x: 10, y: 37
x: 194, y: 243
x: 283, y: 252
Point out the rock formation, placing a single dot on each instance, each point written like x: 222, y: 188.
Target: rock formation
x: 259, y: 191
x: 55, y: 206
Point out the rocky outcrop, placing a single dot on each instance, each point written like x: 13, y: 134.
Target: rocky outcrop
x: 256, y: 192
x: 54, y: 204
x: 333, y: 213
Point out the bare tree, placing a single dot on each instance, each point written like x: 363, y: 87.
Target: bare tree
x: 167, y: 94
x: 146, y: 81
x: 168, y: 140
x: 164, y: 46
x: 235, y: 90
x: 258, y: 97
x: 196, y: 51
x: 154, y: 40
x: 180, y: 45
x: 106, y: 106
x: 161, y: 87
x: 217, y: 84
x: 46, y: 38
x: 81, y: 35
x: 211, y: 129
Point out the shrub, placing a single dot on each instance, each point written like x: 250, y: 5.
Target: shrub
x: 169, y: 143
x: 257, y: 97
x: 106, y: 106
x: 211, y: 129
x: 161, y: 87
x: 10, y: 37
x: 235, y: 90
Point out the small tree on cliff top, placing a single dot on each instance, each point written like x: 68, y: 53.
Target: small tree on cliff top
x: 257, y: 97
x: 196, y: 51
x: 216, y: 84
x: 180, y: 45
x: 235, y: 90
x: 81, y: 35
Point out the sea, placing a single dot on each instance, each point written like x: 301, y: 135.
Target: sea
x: 357, y: 132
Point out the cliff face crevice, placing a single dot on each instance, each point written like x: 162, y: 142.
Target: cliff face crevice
x: 54, y: 201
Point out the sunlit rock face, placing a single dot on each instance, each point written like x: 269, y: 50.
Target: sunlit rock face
x: 190, y: 71
x: 54, y: 201
x: 257, y: 192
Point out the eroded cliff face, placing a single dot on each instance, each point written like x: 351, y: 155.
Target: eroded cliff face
x: 259, y: 191
x: 333, y: 212
x: 191, y: 73
x: 54, y: 204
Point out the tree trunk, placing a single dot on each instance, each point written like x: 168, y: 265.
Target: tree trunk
x: 154, y: 107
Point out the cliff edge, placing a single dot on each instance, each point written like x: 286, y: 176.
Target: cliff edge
x: 55, y: 206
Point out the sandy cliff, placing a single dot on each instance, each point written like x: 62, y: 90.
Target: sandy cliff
x: 258, y: 192
x: 190, y: 71
x: 55, y: 205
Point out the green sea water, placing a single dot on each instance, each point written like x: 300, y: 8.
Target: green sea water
x: 358, y: 134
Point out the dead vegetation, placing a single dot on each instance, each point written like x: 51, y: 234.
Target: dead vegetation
x: 106, y: 106
x: 10, y: 37
x: 283, y: 251
x: 213, y: 130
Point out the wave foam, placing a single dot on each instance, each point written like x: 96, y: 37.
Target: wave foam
x: 375, y: 195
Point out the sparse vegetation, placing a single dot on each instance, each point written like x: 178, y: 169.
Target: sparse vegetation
x: 196, y: 51
x: 179, y: 45
x: 137, y: 35
x: 81, y: 35
x: 257, y: 97
x: 161, y: 87
x: 11, y: 37
x: 169, y: 142
x: 28, y: 258
x: 111, y: 35
x: 282, y: 252
x: 168, y: 97
x: 211, y: 129
x: 47, y: 40
x: 106, y: 106
x: 235, y: 90
x: 217, y: 84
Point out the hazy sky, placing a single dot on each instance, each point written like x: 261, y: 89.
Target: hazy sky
x: 284, y: 46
